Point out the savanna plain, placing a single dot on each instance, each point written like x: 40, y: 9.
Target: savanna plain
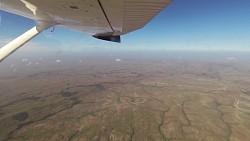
x: 147, y: 97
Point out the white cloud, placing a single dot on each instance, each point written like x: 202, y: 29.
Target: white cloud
x: 58, y: 61
x: 118, y: 60
x: 232, y: 58
x: 29, y: 63
x: 25, y: 60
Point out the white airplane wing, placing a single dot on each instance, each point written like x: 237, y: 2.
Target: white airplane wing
x: 103, y: 19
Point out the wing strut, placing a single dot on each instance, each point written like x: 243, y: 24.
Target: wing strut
x: 11, y: 47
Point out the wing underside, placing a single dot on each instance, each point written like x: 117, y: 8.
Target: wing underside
x: 94, y: 17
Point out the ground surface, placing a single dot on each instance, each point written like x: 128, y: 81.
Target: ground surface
x: 139, y: 99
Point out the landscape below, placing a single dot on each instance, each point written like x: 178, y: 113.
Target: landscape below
x: 163, y: 98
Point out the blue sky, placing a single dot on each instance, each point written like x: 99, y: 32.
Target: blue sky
x: 184, y: 24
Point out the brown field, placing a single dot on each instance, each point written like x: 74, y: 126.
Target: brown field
x: 139, y: 99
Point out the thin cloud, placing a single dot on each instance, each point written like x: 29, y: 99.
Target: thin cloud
x: 232, y: 58
x: 29, y: 63
x: 58, y: 61
x: 118, y: 60
x: 25, y: 60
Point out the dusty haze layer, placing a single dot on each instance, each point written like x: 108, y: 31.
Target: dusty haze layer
x: 135, y: 96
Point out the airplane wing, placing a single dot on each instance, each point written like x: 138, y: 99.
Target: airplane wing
x: 102, y: 19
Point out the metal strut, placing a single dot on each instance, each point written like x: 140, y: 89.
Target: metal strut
x: 11, y: 47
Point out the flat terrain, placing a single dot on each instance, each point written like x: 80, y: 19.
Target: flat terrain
x: 138, y: 99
